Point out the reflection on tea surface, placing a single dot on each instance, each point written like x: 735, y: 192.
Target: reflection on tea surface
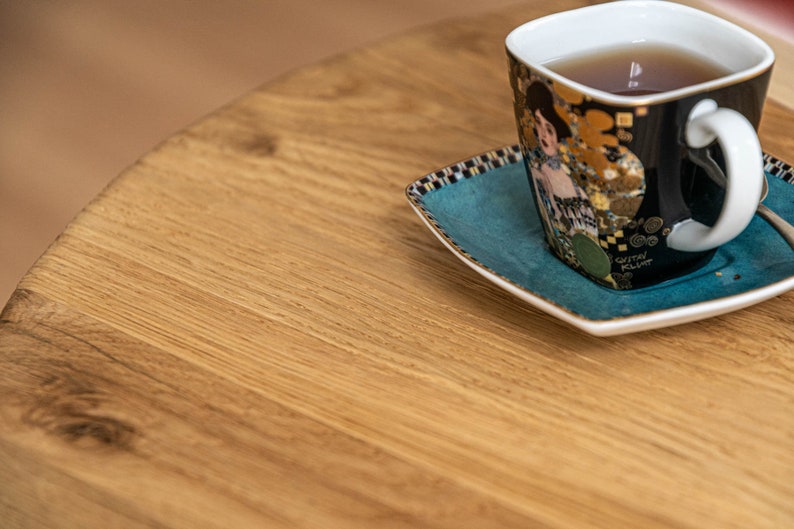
x: 640, y: 69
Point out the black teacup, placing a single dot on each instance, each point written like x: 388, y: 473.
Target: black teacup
x: 637, y: 121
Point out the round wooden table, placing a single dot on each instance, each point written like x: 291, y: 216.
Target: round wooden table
x: 251, y: 328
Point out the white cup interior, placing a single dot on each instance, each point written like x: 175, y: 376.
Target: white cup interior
x: 629, y: 22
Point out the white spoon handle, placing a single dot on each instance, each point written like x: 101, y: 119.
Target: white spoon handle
x: 776, y: 221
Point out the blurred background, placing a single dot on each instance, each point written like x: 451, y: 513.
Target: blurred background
x: 89, y: 86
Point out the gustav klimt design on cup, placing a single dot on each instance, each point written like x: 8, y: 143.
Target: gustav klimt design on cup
x: 588, y: 185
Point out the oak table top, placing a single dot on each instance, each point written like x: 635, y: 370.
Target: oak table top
x: 251, y: 328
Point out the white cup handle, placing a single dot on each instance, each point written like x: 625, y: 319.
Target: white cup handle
x: 744, y: 176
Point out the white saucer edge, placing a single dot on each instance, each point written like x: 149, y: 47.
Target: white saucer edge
x: 630, y: 324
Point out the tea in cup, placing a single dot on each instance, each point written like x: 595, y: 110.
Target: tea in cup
x: 637, y: 122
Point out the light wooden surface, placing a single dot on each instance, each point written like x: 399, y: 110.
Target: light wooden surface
x: 251, y: 328
x: 87, y: 87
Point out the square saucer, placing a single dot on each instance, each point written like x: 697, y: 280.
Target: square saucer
x: 482, y: 210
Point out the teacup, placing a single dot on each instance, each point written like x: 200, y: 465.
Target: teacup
x: 637, y: 122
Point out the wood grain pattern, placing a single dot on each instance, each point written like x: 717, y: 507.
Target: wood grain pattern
x: 251, y: 328
x: 88, y: 87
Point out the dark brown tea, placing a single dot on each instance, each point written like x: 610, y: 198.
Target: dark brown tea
x: 638, y: 70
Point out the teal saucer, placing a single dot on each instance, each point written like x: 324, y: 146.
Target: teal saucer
x: 482, y: 210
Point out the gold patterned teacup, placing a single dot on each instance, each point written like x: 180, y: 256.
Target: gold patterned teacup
x: 640, y: 168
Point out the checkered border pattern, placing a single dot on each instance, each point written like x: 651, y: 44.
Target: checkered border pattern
x: 512, y: 154
x: 466, y: 169
x: 509, y: 155
x: 779, y: 169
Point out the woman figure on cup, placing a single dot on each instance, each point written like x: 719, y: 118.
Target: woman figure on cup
x: 566, y: 204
